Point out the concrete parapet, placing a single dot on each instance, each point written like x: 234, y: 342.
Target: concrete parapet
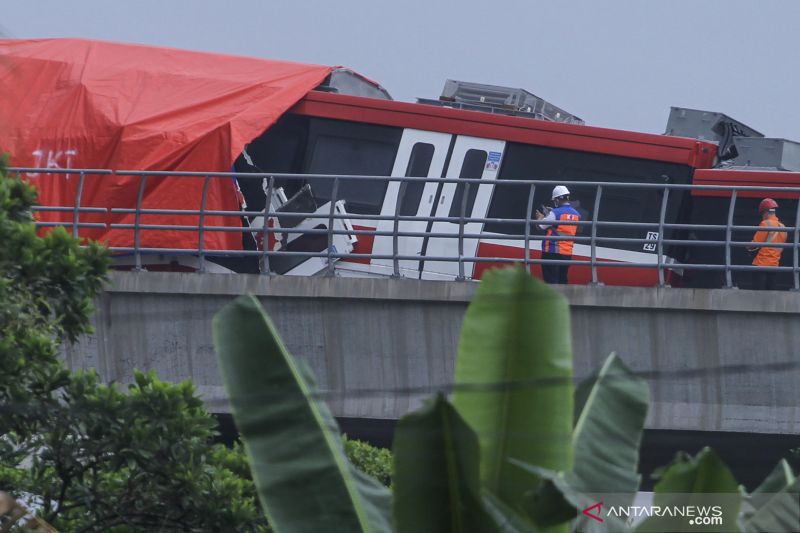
x: 711, y: 355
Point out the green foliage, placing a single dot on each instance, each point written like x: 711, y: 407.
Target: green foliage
x: 46, y: 290
x: 516, y: 332
x: 688, y: 481
x: 371, y: 460
x: 774, y: 511
x: 437, y: 487
x: 612, y: 404
x: 92, y: 457
x: 137, y: 461
x: 304, y: 480
x: 500, y: 458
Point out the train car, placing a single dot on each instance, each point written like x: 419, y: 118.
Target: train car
x: 710, y: 207
x: 338, y: 134
x: 175, y: 117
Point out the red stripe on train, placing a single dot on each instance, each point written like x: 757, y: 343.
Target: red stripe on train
x: 363, y: 246
x: 578, y: 275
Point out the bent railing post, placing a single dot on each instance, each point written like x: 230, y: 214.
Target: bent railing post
x: 660, y: 242
x: 76, y: 213
x: 201, y: 267
x: 593, y: 243
x: 264, y: 232
x: 528, y: 222
x: 137, y: 237
x: 728, y: 234
x: 334, y: 198
x: 464, y: 197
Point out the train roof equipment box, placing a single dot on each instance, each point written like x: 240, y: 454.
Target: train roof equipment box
x: 500, y: 100
x: 709, y: 126
x: 761, y: 152
x: 704, y: 125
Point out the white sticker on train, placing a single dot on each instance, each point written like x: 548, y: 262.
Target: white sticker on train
x: 651, y: 246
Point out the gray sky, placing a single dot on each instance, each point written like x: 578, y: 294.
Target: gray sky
x: 618, y: 64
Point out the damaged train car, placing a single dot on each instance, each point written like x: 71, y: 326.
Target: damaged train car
x: 87, y: 104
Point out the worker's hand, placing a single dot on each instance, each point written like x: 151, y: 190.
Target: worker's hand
x: 539, y: 215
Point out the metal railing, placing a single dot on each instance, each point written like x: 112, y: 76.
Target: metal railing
x: 596, y: 241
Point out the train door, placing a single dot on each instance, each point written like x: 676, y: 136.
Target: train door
x: 421, y: 154
x: 472, y: 158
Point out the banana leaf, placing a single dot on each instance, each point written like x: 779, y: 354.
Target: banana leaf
x: 435, y: 482
x: 777, y: 496
x: 514, y: 380
x: 608, y: 431
x: 556, y: 501
x: 304, y: 480
x: 781, y: 477
x: 506, y: 519
x: 780, y: 513
x: 702, y: 481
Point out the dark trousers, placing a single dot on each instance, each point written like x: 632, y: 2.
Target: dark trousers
x: 764, y: 281
x: 556, y: 274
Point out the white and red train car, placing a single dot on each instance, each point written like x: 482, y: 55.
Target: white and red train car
x: 73, y: 104
x: 337, y: 134
x: 710, y: 207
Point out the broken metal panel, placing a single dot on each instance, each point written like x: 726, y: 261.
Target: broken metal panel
x: 704, y: 125
x: 297, y: 241
x: 346, y: 81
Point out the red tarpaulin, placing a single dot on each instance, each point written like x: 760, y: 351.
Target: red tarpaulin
x: 73, y: 103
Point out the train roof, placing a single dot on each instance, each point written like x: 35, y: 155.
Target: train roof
x: 160, y: 103
x: 691, y: 152
x: 747, y: 178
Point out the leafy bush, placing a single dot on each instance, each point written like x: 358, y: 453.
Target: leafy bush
x: 373, y: 461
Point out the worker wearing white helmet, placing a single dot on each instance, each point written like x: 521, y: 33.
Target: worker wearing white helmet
x: 558, y: 249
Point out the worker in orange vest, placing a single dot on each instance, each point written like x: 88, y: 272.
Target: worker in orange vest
x: 767, y: 256
x: 558, y: 249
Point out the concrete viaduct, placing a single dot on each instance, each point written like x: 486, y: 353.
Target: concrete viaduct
x: 722, y: 361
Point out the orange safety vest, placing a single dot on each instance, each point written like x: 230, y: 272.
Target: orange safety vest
x: 564, y: 212
x: 767, y: 256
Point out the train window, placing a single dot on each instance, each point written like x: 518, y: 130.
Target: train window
x: 714, y: 210
x: 418, y: 166
x: 474, y: 163
x: 347, y: 148
x: 279, y: 149
x: 524, y: 162
x: 628, y: 205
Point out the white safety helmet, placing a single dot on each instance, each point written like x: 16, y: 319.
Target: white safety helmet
x: 559, y: 191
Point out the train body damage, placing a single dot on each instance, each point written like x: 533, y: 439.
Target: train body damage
x: 438, y: 189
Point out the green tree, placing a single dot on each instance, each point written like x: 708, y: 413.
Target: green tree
x: 46, y: 289
x: 144, y: 460
x: 86, y: 456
